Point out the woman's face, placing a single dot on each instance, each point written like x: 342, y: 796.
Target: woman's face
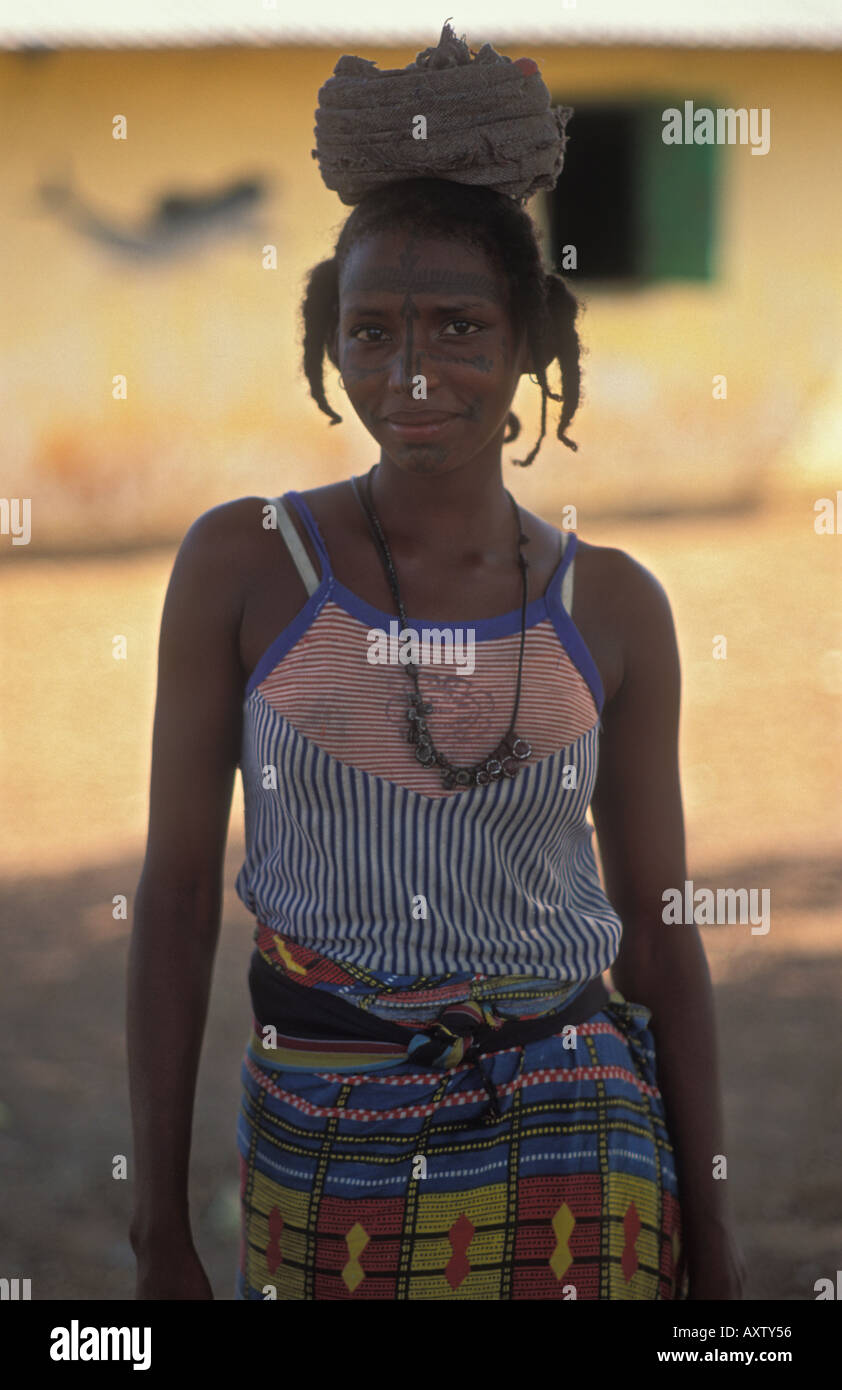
x: 425, y: 331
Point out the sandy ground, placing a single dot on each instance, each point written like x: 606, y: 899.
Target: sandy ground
x: 761, y: 770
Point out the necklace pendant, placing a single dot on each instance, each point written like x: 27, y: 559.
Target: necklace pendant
x: 418, y: 701
x: 417, y: 723
x: 424, y: 751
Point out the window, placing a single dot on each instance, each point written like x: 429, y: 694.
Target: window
x: 635, y: 209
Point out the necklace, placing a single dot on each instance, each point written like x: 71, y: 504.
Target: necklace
x: 511, y: 750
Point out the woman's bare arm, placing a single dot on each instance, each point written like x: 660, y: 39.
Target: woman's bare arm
x: 196, y: 746
x: 639, y: 822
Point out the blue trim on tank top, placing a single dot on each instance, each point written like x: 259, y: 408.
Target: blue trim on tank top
x: 546, y: 605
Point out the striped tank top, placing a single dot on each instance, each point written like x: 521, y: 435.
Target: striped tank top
x: 357, y: 853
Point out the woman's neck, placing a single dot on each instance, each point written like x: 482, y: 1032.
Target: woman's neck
x: 465, y: 510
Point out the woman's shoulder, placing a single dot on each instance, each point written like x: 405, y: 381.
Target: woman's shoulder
x: 617, y: 568
x: 228, y: 521
x: 242, y: 529
x: 621, y: 610
x: 234, y: 546
x: 623, y: 600
x: 608, y: 569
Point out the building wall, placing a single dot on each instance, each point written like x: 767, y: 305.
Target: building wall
x: 209, y: 340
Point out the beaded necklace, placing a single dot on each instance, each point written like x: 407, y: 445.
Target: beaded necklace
x: 512, y: 750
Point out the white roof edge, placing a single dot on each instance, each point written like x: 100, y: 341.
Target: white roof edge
x: 216, y: 23
x: 90, y: 42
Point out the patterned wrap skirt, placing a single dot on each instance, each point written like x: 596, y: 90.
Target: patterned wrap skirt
x: 367, y: 1175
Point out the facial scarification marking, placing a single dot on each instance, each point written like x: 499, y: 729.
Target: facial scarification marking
x: 409, y: 258
x: 407, y: 279
x: 479, y: 360
x: 351, y: 373
x: 395, y: 280
x: 427, y: 466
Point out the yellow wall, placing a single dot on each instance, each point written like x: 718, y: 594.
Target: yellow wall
x: 210, y: 342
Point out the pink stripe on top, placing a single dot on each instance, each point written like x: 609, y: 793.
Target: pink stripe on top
x: 356, y: 711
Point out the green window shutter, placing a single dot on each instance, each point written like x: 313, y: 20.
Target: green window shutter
x: 677, y: 195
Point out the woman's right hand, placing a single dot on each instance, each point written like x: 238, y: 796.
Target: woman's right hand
x: 172, y: 1274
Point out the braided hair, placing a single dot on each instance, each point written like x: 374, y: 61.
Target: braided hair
x: 540, y: 300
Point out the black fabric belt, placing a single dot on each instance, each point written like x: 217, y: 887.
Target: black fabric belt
x: 307, y: 1012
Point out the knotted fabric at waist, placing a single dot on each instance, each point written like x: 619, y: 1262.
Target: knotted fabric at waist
x: 301, y: 1027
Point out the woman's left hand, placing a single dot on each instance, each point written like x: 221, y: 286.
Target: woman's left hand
x: 718, y: 1270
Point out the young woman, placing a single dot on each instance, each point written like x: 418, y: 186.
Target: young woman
x: 441, y: 1099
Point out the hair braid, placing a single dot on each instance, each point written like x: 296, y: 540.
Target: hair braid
x: 320, y: 313
x: 563, y: 309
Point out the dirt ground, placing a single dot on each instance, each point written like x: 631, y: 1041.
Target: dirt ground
x: 761, y: 768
